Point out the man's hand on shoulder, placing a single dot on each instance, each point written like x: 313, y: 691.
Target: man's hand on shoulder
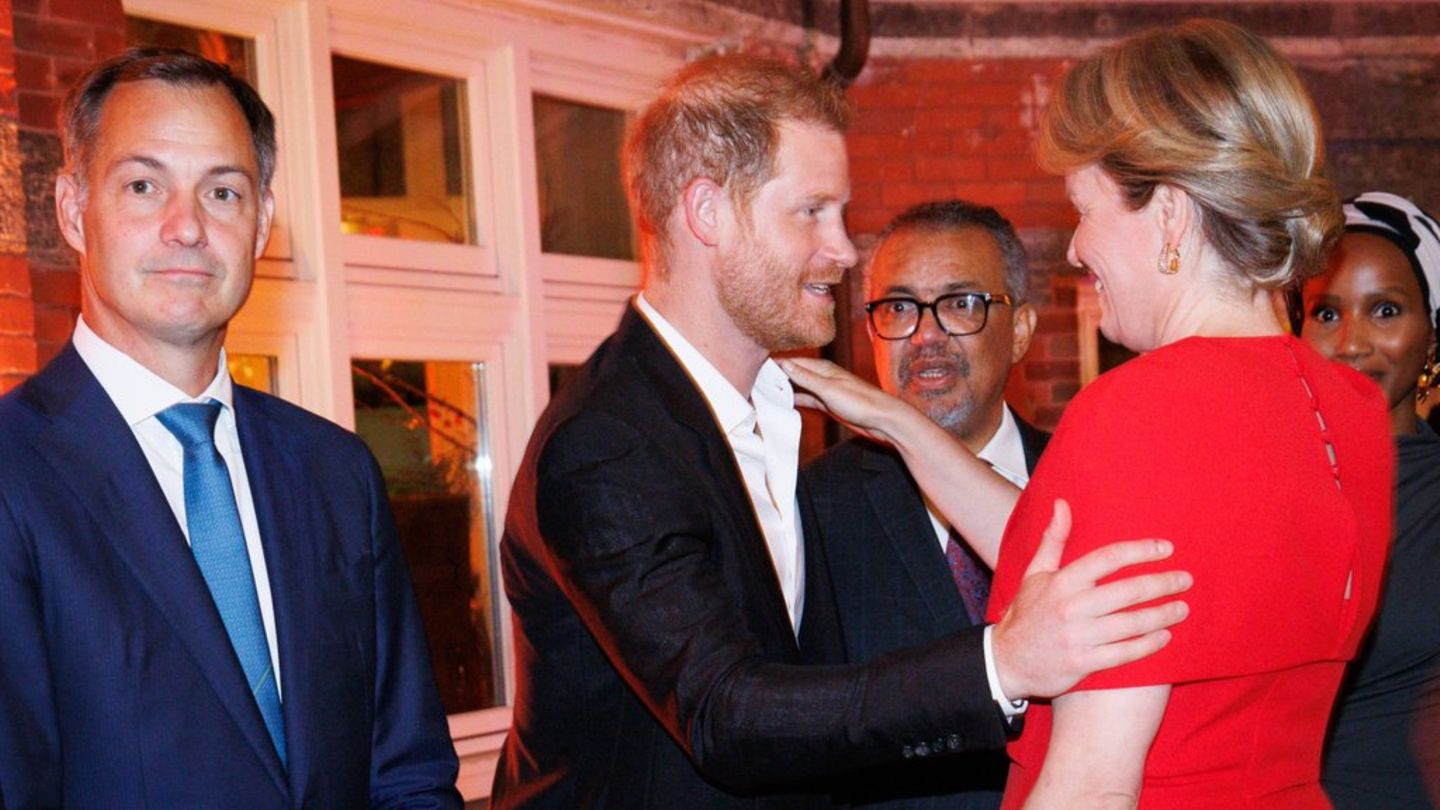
x: 1063, y: 627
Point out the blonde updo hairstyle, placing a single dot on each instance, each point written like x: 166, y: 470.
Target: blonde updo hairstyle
x: 1211, y: 109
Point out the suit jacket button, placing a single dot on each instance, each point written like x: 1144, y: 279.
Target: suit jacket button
x: 907, y: 752
x: 922, y: 750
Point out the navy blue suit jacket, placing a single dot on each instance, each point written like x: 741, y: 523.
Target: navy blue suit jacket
x: 118, y: 685
x: 893, y: 589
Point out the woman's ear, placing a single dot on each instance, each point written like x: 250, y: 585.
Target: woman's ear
x: 1176, y: 213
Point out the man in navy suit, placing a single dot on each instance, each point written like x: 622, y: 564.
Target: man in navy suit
x: 203, y: 601
x: 901, y: 578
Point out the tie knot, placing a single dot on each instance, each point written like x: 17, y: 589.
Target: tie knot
x: 193, y: 423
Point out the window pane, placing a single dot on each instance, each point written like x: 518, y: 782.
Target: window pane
x: 253, y: 371
x: 582, y: 199
x: 236, y: 52
x: 403, y: 164
x: 425, y: 424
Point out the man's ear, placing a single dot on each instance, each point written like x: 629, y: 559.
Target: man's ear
x: 702, y: 204
x: 265, y: 215
x: 70, y: 210
x: 1025, y: 319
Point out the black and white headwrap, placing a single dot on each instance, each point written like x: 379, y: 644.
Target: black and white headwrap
x: 1409, y: 228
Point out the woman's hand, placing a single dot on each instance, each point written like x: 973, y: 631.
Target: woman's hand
x: 857, y: 404
x: 972, y: 497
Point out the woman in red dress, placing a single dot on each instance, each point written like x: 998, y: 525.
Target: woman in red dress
x: 1193, y: 157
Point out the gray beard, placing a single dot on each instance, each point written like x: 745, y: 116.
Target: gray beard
x: 953, y: 418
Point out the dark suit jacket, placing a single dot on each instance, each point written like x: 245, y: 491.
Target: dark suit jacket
x: 118, y: 685
x: 894, y: 590
x: 655, y: 662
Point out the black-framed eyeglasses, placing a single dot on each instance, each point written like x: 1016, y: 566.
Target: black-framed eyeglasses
x: 958, y: 314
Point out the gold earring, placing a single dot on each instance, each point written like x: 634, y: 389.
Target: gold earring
x: 1169, y: 261
x: 1429, y: 378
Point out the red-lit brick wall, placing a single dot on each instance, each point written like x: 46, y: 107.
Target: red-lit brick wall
x: 17, y: 315
x: 54, y: 41
x: 930, y: 129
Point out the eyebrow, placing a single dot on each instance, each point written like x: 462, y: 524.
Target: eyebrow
x: 963, y: 285
x: 1393, y: 290
x: 1388, y: 291
x: 214, y: 171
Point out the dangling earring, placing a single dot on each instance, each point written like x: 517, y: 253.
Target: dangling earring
x: 1169, y: 261
x: 1429, y: 378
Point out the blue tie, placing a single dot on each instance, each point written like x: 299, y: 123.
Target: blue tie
x: 218, y: 542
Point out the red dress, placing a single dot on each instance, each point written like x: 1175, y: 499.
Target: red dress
x: 1215, y: 444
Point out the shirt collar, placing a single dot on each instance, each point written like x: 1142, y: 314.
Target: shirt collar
x: 732, y: 409
x: 138, y: 392
x: 1006, y: 451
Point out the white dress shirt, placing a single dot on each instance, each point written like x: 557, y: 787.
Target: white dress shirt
x: 763, y: 431
x: 1006, y: 454
x: 139, y: 394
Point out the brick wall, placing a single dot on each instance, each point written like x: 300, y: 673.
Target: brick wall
x: 931, y: 129
x: 932, y: 124
x: 17, y: 314
x: 54, y: 41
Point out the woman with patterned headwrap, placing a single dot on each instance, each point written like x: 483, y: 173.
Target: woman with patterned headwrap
x: 1375, y: 309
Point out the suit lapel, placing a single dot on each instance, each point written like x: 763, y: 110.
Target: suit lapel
x: 894, y: 499
x: 683, y: 400
x: 90, y: 446
x: 1033, y: 440
x: 822, y: 640
x: 277, y: 480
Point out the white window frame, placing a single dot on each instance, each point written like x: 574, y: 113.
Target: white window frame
x: 402, y: 323
x: 501, y: 325
x: 584, y: 296
x: 323, y: 297
x: 294, y: 298
x: 409, y: 262
x: 275, y: 322
x: 260, y: 21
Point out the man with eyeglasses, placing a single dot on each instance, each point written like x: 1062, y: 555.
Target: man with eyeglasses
x: 945, y: 291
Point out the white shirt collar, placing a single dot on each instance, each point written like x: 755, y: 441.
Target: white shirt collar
x: 138, y: 392
x: 732, y: 408
x: 1006, y: 451
x: 764, y: 438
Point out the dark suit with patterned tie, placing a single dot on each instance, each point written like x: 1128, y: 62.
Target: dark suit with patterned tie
x: 894, y: 589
